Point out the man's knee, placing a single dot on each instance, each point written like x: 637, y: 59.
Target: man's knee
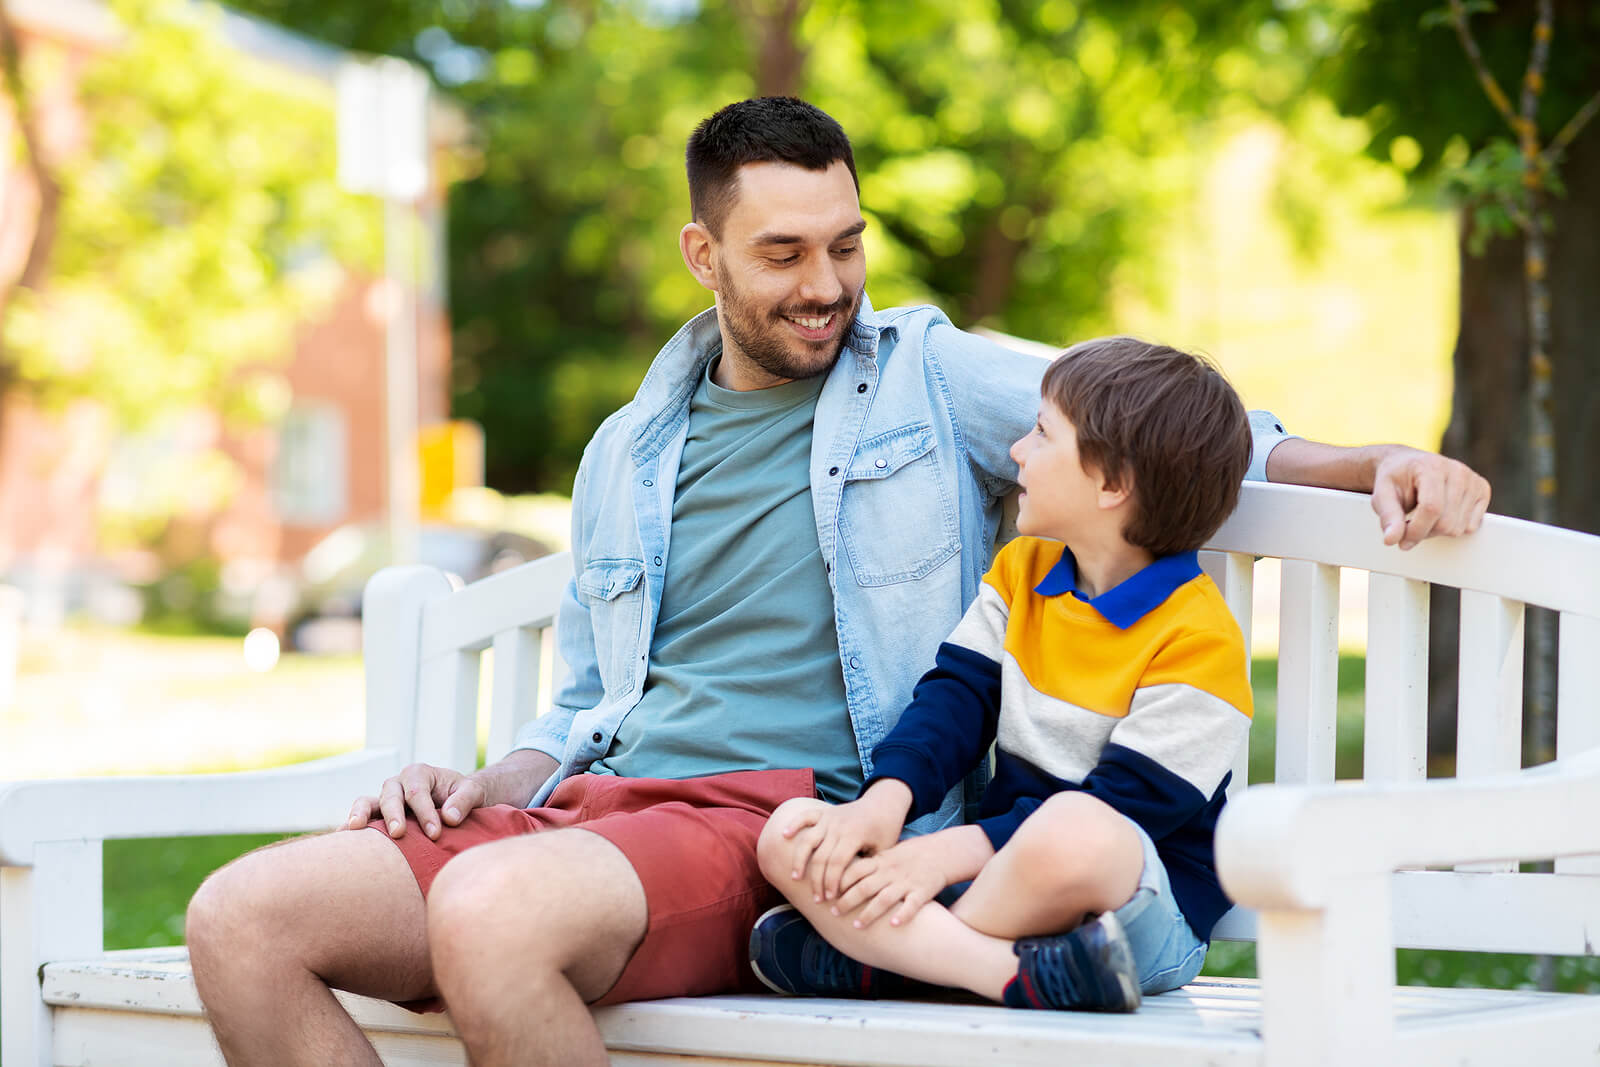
x: 554, y: 897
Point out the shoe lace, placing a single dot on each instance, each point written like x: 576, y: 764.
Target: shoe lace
x: 1050, y: 969
x: 826, y: 968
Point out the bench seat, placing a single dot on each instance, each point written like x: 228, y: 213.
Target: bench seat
x: 139, y: 1007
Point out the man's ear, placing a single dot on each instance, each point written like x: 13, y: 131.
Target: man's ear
x: 695, y: 242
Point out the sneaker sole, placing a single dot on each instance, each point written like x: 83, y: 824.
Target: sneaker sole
x: 1120, y: 957
x: 755, y: 948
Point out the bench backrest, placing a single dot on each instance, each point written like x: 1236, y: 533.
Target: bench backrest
x: 430, y: 710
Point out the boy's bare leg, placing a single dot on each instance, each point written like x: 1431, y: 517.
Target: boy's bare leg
x: 269, y: 933
x: 1073, y: 857
x: 525, y: 932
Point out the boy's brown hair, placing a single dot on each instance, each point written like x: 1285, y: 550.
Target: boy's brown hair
x: 1163, y: 420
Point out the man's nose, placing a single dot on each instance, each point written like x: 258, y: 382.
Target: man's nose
x: 820, y: 283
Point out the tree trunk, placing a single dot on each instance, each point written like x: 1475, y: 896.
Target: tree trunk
x: 780, y: 60
x: 1488, y: 426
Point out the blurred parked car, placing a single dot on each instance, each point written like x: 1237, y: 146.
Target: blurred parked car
x: 317, y: 607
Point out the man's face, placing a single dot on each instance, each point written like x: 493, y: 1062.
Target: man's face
x: 790, y: 270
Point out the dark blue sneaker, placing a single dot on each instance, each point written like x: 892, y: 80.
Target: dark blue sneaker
x: 1089, y: 969
x: 789, y: 956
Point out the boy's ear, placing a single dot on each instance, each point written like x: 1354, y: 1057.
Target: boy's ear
x: 695, y: 242
x: 1113, y: 493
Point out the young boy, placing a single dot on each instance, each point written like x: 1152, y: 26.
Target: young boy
x: 1111, y: 677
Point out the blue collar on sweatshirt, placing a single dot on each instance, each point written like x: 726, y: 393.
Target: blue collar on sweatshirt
x: 1132, y: 599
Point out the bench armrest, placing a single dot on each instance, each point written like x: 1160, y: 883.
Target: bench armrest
x: 1290, y: 847
x: 314, y: 795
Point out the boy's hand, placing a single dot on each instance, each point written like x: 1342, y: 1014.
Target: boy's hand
x: 901, y: 878
x: 826, y: 839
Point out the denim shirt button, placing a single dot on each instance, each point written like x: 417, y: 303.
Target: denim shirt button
x: 598, y: 737
x: 861, y: 388
x: 882, y: 463
x: 648, y: 482
x: 658, y: 561
x: 832, y: 471
x: 855, y: 664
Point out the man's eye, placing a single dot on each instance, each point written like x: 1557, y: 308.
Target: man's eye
x: 847, y: 251
x: 784, y: 261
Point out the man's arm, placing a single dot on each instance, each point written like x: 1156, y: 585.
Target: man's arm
x: 1416, y: 494
x: 435, y: 793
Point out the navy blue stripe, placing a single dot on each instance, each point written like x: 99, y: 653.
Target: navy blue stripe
x: 945, y: 730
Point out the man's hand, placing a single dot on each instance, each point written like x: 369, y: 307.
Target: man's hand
x: 902, y: 877
x: 424, y: 789
x: 827, y: 838
x: 1418, y: 495
x: 435, y: 793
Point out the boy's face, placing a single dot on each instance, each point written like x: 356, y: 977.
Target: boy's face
x: 1060, y: 499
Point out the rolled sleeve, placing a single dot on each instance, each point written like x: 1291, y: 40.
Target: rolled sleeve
x: 1266, y: 433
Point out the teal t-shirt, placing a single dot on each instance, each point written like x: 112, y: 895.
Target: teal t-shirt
x: 744, y: 665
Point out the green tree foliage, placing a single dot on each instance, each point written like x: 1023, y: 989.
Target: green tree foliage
x: 1013, y: 158
x: 199, y: 223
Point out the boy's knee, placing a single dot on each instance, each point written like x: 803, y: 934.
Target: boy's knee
x: 772, y: 848
x: 1075, y: 838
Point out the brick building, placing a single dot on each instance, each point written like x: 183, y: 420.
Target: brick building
x: 323, y: 465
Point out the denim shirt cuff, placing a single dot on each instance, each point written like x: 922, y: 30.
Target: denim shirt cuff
x: 1266, y: 433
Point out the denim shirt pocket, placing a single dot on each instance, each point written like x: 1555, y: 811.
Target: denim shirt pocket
x: 898, y: 515
x: 613, y: 591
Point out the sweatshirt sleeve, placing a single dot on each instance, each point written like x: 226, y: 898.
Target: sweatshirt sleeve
x: 951, y: 720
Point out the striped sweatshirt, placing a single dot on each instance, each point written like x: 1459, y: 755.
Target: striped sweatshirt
x: 1138, y: 696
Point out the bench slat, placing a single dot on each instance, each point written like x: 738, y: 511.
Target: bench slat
x: 1396, y: 717
x: 1308, y: 672
x: 1235, y: 575
x: 1578, y: 682
x: 1489, y: 726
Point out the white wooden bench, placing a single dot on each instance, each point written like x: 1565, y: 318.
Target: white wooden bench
x: 1329, y: 878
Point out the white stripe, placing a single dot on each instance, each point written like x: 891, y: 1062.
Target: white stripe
x: 1059, y: 738
x: 983, y: 628
x: 1186, y: 730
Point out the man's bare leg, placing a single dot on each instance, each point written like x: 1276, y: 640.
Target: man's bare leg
x: 525, y: 933
x: 269, y: 933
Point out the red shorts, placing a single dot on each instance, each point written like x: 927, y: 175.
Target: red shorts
x: 692, y: 842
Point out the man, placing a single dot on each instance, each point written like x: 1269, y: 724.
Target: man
x: 769, y: 543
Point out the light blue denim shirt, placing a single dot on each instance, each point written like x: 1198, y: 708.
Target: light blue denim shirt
x: 909, y: 462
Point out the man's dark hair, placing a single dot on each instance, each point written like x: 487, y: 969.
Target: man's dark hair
x: 768, y: 129
x: 1163, y: 420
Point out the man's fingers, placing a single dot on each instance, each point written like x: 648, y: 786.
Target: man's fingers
x: 1480, y: 505
x: 466, y: 796
x: 419, y: 798
x: 361, y: 812
x: 392, y: 805
x: 1425, y: 516
x: 1391, y: 510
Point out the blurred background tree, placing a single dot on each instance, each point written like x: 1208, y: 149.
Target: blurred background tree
x: 1015, y: 159
x: 178, y: 246
x: 1418, y: 89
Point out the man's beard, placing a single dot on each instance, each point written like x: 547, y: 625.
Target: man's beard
x: 766, y: 341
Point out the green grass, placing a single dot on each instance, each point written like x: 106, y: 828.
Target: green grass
x: 148, y: 883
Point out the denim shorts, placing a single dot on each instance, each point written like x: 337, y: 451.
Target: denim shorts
x: 1165, y: 949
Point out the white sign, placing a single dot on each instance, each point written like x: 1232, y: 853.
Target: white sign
x: 383, y: 128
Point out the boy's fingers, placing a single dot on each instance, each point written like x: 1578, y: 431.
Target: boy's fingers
x: 908, y: 908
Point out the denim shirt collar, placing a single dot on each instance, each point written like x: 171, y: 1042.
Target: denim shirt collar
x: 1131, y: 599
x: 678, y: 368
